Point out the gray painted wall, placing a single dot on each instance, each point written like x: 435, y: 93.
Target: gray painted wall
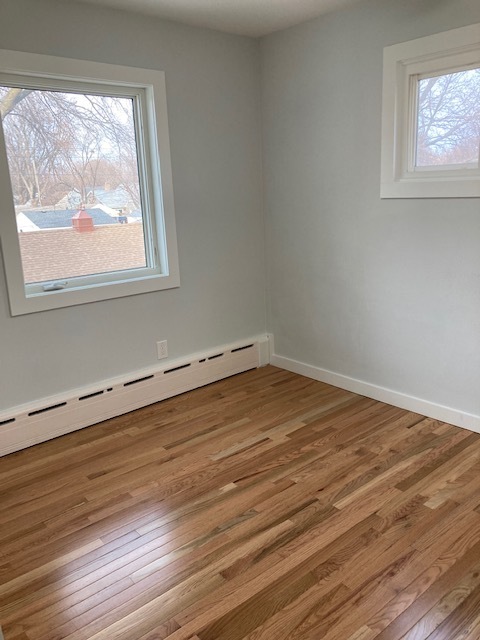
x: 214, y: 114
x: 384, y: 291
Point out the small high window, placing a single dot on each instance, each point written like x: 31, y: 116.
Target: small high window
x: 88, y: 199
x: 431, y: 116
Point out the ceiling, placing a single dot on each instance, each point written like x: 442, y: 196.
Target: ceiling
x: 243, y: 17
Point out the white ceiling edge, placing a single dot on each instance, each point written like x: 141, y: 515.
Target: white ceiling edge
x: 254, y: 18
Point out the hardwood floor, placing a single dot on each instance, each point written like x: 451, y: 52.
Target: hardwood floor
x: 263, y: 507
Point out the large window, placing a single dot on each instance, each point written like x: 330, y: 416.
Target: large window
x: 86, y: 198
x: 431, y: 116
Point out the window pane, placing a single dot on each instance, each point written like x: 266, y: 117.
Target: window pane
x: 448, y: 126
x: 74, y: 172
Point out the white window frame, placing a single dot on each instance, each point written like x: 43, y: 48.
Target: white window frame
x: 147, y: 88
x: 403, y: 65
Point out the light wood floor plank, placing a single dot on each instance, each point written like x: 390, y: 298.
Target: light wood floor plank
x: 266, y: 506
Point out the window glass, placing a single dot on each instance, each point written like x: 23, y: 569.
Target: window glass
x: 448, y: 120
x: 74, y: 170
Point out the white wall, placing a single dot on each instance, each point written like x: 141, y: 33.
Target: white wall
x: 387, y: 292
x: 214, y: 113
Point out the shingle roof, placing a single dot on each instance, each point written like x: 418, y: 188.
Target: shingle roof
x: 62, y: 218
x: 56, y: 254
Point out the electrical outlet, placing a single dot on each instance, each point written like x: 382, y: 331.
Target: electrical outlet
x: 162, y: 349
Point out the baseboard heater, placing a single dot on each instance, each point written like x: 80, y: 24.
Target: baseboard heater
x: 55, y: 416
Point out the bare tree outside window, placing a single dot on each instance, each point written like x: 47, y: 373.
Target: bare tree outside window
x: 59, y: 141
x: 71, y: 151
x: 448, y: 126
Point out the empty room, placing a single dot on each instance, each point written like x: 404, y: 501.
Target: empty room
x: 240, y: 320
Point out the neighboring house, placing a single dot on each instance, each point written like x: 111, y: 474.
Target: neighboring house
x: 118, y: 199
x: 59, y: 219
x: 25, y: 224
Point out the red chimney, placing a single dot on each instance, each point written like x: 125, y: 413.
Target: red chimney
x: 82, y: 221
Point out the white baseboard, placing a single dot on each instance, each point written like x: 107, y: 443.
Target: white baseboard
x: 29, y: 424
x: 23, y: 426
x: 411, y: 403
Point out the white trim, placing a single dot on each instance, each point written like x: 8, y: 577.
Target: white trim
x: 265, y: 349
x: 60, y: 414
x: 396, y: 398
x: 159, y: 217
x: 403, y: 64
